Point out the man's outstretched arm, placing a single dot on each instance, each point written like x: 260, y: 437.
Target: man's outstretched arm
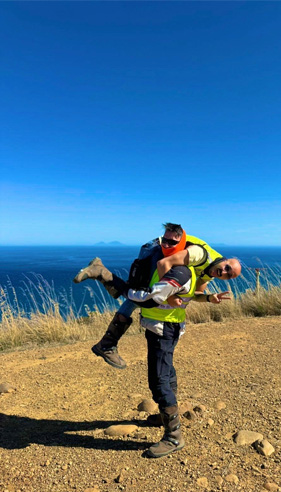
x: 213, y: 298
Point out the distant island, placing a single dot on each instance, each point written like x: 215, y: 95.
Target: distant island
x: 111, y: 243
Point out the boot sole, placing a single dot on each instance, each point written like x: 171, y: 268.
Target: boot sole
x: 150, y: 454
x: 80, y: 278
x: 108, y: 361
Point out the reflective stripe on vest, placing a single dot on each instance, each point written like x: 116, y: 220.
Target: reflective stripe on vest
x: 165, y: 312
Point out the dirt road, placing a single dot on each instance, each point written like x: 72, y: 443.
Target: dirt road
x: 52, y: 426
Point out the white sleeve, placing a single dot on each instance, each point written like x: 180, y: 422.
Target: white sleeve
x: 159, y: 292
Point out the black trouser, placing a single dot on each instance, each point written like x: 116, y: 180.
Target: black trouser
x: 162, y: 378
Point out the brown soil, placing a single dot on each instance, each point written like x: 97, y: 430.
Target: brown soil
x: 52, y: 426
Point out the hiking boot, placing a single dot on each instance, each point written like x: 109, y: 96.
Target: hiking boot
x: 96, y: 271
x: 114, y: 285
x: 110, y: 356
x: 172, y: 440
x: 107, y: 346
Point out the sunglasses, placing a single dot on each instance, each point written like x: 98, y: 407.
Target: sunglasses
x: 228, y: 270
x: 170, y: 242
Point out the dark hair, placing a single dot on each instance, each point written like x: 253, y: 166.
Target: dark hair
x: 176, y: 228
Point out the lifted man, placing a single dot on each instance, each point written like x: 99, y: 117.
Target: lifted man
x: 175, y: 247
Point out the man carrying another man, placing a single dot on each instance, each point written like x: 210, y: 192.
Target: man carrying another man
x: 175, y: 247
x: 163, y: 324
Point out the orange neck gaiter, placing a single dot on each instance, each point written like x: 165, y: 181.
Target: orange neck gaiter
x: 174, y: 249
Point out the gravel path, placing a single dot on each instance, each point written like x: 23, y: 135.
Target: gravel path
x: 61, y: 399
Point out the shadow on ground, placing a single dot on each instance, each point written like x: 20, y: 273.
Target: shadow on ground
x: 19, y: 432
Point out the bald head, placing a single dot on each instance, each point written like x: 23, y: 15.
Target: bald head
x: 226, y: 269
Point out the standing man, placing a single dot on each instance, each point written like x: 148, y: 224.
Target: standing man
x: 175, y: 247
x: 163, y: 324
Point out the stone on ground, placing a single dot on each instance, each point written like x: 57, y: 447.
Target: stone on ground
x: 6, y: 388
x: 220, y: 405
x: 243, y: 437
x: 190, y: 415
x: 202, y: 482
x: 264, y: 447
x: 271, y: 486
x: 231, y: 478
x: 185, y: 406
x: 148, y: 406
x: 120, y: 430
x: 199, y: 409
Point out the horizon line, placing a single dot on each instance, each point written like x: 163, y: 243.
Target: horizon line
x: 108, y: 245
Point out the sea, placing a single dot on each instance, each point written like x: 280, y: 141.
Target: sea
x: 40, y: 277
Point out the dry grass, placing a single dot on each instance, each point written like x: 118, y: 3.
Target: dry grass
x: 247, y: 304
x: 45, y: 323
x: 53, y: 320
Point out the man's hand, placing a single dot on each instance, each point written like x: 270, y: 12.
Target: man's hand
x: 174, y: 301
x: 217, y: 298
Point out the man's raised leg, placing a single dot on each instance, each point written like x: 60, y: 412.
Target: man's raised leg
x: 107, y: 346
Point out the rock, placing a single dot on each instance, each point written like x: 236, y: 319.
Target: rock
x: 136, y: 395
x: 202, y: 482
x: 219, y: 480
x: 120, y: 430
x: 199, y: 409
x: 231, y: 478
x: 190, y: 415
x: 246, y: 437
x: 120, y: 477
x: 264, y: 447
x: 6, y: 388
x: 220, y: 405
x: 210, y: 422
x: 256, y: 469
x: 185, y: 406
x: 229, y: 435
x: 92, y: 489
x: 271, y: 486
x: 148, y: 406
x: 196, y: 396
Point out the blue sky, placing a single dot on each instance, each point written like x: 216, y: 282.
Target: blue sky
x: 119, y: 116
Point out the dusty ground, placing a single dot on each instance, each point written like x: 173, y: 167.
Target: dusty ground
x: 52, y: 427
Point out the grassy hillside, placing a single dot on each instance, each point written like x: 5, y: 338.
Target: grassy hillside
x: 44, y: 322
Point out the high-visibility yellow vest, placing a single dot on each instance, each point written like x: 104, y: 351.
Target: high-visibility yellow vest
x: 212, y: 256
x: 165, y: 312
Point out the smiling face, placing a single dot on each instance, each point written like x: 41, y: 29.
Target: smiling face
x: 227, y: 269
x: 172, y: 242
